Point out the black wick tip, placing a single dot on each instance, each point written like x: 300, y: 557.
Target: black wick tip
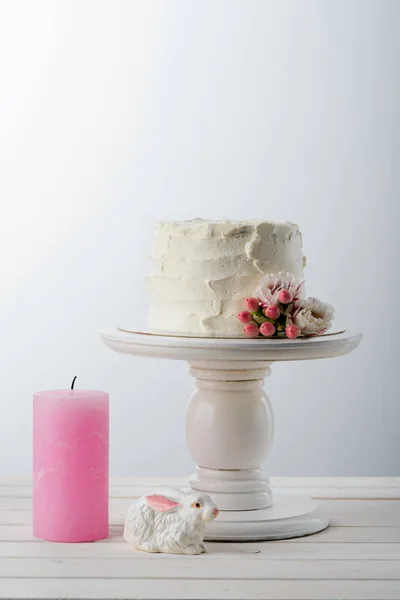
x: 73, y: 382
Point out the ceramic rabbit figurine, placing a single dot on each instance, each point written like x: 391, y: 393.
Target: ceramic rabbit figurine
x: 169, y: 521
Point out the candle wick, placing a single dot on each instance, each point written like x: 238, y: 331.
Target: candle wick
x: 73, y: 382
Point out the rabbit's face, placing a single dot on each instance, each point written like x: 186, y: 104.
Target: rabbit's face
x: 199, y: 506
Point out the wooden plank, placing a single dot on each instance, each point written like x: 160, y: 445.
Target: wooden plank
x: 119, y: 505
x: 25, y: 491
x: 130, y: 492
x: 336, y: 482
x: 353, y: 535
x: 158, y: 480
x: 14, y: 533
x: 196, y: 568
x: 316, y: 492
x: 15, y: 504
x: 345, y: 513
x: 357, y: 493
x: 15, y: 480
x: 317, y: 487
x: 22, y: 491
x: 356, y: 513
x: 380, y: 513
x: 363, y: 513
x: 184, y: 589
x: 17, y: 517
x: 322, y: 482
x: 287, y: 550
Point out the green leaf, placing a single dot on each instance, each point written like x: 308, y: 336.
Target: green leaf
x: 260, y: 319
x: 258, y: 312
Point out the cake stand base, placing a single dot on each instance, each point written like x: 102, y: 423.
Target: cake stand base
x: 290, y: 516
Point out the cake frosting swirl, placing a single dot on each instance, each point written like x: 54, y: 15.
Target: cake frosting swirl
x: 203, y: 270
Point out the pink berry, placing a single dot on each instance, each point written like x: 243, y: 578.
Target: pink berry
x: 292, y: 331
x: 244, y: 316
x: 285, y: 296
x: 252, y: 304
x: 272, y: 312
x: 251, y: 330
x: 267, y: 329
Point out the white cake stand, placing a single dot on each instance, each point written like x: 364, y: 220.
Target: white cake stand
x: 230, y: 425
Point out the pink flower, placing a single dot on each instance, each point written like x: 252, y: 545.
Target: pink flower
x: 252, y: 304
x: 244, y: 316
x: 267, y: 329
x: 272, y: 312
x: 292, y: 332
x: 251, y: 330
x: 271, y: 284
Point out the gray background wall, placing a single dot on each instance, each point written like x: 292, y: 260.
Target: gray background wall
x: 114, y: 114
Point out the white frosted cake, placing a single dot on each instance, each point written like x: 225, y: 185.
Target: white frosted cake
x: 203, y: 270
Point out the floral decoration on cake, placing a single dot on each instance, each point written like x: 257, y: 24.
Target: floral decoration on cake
x: 280, y: 309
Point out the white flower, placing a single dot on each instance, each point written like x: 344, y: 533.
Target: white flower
x: 313, y: 316
x: 270, y: 285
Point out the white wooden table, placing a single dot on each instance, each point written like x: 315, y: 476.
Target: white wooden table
x: 357, y: 557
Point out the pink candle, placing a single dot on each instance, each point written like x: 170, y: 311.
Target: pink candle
x: 70, y: 465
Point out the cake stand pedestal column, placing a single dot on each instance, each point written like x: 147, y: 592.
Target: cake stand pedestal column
x: 229, y: 431
x: 229, y: 426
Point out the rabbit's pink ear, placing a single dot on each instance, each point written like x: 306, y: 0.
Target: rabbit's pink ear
x: 161, y: 503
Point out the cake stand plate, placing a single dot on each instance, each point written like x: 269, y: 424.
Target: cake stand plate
x: 230, y: 425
